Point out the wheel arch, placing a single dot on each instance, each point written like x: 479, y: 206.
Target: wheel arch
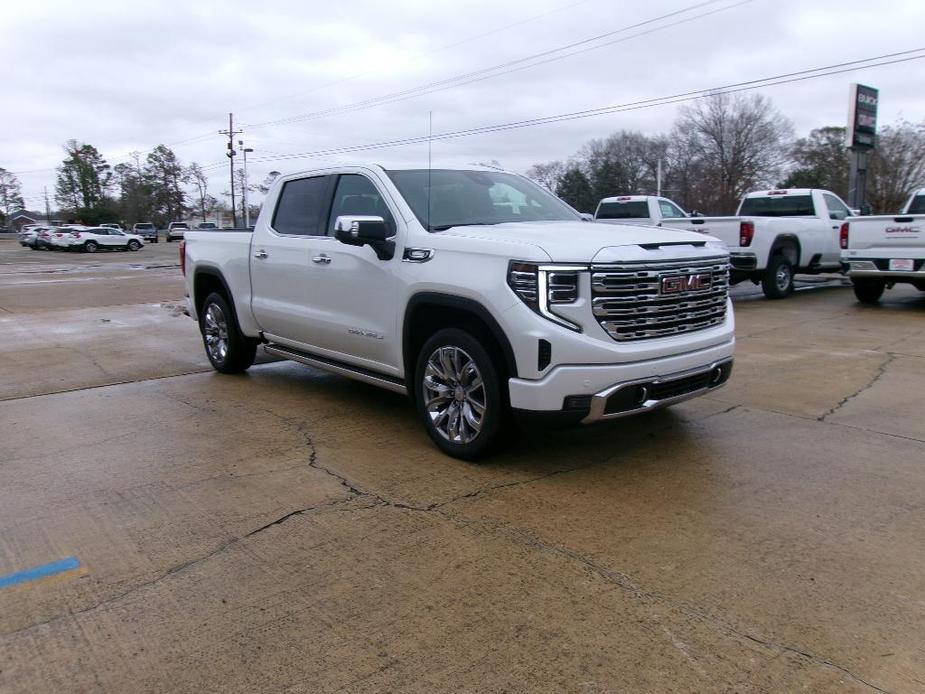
x: 206, y: 280
x: 427, y: 312
x: 783, y: 243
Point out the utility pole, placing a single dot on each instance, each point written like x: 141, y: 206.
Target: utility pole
x: 231, y: 132
x: 658, y: 178
x: 247, y: 213
x: 47, y: 208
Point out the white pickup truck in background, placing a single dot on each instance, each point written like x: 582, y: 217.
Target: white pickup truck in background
x: 776, y: 234
x: 474, y: 291
x: 637, y: 209
x: 881, y: 251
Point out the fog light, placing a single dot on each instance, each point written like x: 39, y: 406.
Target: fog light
x: 716, y: 376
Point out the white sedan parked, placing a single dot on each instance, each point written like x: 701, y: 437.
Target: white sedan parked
x: 92, y: 239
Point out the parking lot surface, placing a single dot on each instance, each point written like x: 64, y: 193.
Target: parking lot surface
x: 288, y: 530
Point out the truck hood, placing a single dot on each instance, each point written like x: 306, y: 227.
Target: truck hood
x: 582, y: 242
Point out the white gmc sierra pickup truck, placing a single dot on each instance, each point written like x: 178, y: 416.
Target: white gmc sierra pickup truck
x: 885, y: 250
x: 776, y: 234
x: 637, y: 209
x: 473, y: 291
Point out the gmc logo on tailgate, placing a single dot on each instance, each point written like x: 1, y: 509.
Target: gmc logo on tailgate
x: 686, y: 283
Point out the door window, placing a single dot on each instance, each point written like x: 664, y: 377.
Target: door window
x: 837, y: 209
x: 356, y: 195
x: 300, y: 206
x: 669, y: 210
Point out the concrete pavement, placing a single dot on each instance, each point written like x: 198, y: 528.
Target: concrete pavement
x: 287, y: 530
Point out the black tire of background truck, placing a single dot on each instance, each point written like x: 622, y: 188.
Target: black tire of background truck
x: 496, y: 411
x: 241, y: 350
x: 777, y: 281
x: 91, y: 247
x: 868, y: 291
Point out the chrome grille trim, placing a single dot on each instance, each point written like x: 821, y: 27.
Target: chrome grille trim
x: 627, y: 302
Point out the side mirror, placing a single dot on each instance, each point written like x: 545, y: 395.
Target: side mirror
x: 695, y: 213
x: 365, y: 230
x: 586, y: 216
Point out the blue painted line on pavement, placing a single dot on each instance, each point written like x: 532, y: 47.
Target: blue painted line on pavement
x: 37, y: 572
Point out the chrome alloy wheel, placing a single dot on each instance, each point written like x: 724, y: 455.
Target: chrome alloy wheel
x: 215, y: 331
x: 454, y: 394
x: 783, y: 277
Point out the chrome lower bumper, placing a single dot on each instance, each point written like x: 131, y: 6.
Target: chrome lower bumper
x: 647, y: 394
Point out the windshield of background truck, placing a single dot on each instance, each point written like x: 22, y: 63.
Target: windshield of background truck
x: 778, y: 206
x: 917, y: 206
x: 631, y: 209
x: 460, y: 198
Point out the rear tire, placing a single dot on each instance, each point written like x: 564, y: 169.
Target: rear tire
x: 229, y: 350
x: 91, y: 247
x: 777, y: 282
x: 868, y: 291
x: 459, y: 394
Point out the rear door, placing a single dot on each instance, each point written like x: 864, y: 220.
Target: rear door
x: 284, y: 301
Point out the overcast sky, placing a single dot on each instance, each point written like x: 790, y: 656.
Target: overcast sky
x: 127, y: 76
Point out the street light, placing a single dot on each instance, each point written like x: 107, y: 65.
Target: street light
x: 247, y: 214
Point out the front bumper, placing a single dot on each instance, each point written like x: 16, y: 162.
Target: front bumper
x: 593, y: 392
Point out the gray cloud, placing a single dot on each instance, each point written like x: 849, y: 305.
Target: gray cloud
x: 127, y: 76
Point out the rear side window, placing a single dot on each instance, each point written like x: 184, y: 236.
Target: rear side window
x: 299, y: 209
x: 623, y: 210
x: 918, y: 205
x: 778, y: 206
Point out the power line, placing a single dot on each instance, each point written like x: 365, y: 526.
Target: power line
x: 468, y: 39
x: 784, y: 78
x: 205, y: 136
x: 541, y: 58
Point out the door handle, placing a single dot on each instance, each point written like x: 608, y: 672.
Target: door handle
x: 260, y: 254
x: 322, y: 259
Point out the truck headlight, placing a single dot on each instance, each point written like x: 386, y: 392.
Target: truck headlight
x: 543, y: 286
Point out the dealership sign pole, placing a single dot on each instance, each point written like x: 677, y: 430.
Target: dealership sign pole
x: 862, y: 131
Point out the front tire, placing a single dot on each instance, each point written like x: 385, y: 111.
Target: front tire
x: 133, y: 245
x: 868, y: 291
x: 229, y: 350
x: 458, y: 393
x: 777, y: 282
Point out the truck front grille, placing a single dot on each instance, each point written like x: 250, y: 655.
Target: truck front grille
x: 640, y: 301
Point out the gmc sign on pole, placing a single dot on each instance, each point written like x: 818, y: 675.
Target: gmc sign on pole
x: 862, y: 117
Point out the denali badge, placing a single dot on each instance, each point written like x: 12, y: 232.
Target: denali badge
x: 686, y: 283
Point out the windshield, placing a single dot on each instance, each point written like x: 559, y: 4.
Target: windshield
x: 778, y: 206
x: 460, y: 198
x: 179, y: 225
x: 917, y: 206
x: 623, y: 210
x: 144, y: 226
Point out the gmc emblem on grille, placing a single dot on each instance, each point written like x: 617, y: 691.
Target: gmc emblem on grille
x: 686, y: 283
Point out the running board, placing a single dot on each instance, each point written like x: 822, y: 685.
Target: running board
x: 358, y: 373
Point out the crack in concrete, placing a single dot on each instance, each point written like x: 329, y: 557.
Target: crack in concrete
x: 619, y: 579
x: 881, y: 371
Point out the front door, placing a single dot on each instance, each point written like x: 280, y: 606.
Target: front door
x: 355, y: 292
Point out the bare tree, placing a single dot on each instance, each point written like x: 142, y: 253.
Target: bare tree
x: 725, y: 146
x: 820, y: 161
x: 547, y: 175
x: 197, y: 177
x: 10, y: 194
x: 897, y: 166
